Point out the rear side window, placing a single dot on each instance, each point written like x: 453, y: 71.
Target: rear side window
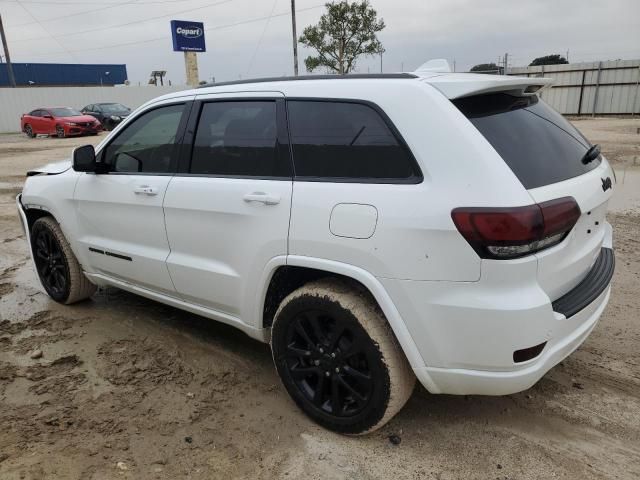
x: 347, y: 141
x: 238, y: 139
x: 535, y: 141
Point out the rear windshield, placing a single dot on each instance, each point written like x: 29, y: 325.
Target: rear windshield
x: 537, y: 143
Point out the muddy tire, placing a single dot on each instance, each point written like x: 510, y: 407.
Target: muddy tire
x: 60, y: 131
x: 57, y: 266
x: 28, y: 130
x: 338, y: 357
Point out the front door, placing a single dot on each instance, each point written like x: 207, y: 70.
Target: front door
x: 120, y: 214
x: 227, y: 211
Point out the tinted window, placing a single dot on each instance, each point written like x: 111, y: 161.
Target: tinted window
x: 347, y: 141
x: 36, y: 113
x: 148, y: 143
x: 238, y: 139
x: 65, y: 112
x: 537, y: 143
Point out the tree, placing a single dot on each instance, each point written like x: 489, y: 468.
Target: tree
x: 345, y: 32
x: 485, y: 67
x: 548, y: 60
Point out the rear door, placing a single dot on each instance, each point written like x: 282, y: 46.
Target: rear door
x: 120, y: 217
x: 227, y: 210
x: 546, y: 153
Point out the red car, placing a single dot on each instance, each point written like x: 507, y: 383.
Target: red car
x: 59, y: 121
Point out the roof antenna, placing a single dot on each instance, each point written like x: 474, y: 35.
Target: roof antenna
x: 438, y: 65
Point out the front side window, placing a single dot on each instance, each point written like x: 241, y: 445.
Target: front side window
x: 238, y: 139
x: 148, y: 144
x: 346, y: 140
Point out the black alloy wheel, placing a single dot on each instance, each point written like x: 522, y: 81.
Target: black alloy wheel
x: 50, y: 263
x: 328, y: 362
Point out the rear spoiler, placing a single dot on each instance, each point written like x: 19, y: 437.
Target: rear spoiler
x: 457, y: 85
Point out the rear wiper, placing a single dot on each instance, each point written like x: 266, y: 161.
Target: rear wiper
x: 591, y: 155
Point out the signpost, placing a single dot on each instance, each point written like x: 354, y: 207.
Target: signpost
x: 188, y: 37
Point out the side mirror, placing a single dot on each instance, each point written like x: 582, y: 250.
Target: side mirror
x: 84, y: 159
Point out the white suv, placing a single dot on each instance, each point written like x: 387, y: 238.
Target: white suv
x: 373, y: 228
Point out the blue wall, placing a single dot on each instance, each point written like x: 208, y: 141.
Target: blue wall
x: 47, y: 74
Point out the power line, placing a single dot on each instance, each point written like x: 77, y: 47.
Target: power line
x: 155, y: 39
x: 266, y: 24
x: 113, y: 5
x: 135, y: 22
x: 47, y: 31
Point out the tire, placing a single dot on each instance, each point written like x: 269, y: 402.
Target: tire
x: 28, y: 130
x: 352, y: 382
x: 58, y: 269
x: 60, y: 131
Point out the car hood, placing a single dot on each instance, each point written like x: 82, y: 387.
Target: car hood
x: 78, y: 118
x: 53, y: 168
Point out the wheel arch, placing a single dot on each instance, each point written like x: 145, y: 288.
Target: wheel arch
x: 300, y: 270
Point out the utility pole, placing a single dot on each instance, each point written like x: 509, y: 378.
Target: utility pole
x: 506, y: 60
x: 380, y: 62
x: 12, y: 79
x: 295, y: 38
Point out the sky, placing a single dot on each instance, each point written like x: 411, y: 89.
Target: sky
x: 253, y: 38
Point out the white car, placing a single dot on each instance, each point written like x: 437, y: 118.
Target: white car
x: 373, y: 228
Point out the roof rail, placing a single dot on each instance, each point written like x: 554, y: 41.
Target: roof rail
x: 351, y: 76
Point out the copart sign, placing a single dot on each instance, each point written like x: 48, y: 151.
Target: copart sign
x: 187, y: 36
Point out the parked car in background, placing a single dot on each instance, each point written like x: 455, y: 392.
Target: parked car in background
x: 59, y: 121
x: 109, y: 114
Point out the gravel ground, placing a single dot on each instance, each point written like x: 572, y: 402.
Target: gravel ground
x: 128, y: 388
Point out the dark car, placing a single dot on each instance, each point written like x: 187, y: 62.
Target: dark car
x: 109, y: 114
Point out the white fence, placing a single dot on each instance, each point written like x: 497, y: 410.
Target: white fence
x: 16, y: 101
x: 594, y: 88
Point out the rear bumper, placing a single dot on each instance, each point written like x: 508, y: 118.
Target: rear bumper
x: 477, y: 382
x: 468, y: 333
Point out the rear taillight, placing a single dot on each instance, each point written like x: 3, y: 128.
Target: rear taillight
x: 502, y: 233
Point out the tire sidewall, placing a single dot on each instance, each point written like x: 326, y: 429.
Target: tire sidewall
x: 377, y: 405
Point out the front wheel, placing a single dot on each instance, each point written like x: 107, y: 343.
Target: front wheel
x: 57, y: 266
x: 339, y: 359
x: 60, y: 131
x: 28, y: 130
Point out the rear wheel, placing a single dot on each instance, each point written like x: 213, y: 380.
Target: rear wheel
x: 59, y: 131
x: 58, y: 269
x: 29, y: 131
x: 339, y: 359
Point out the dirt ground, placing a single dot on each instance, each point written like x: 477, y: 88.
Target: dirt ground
x: 128, y: 388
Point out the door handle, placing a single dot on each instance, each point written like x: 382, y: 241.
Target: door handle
x: 145, y: 190
x: 262, y: 197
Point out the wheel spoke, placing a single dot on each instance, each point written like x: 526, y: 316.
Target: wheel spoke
x: 317, y: 328
x: 357, y: 395
x: 357, y: 375
x: 336, y: 334
x: 300, y: 330
x: 301, y: 373
x: 318, y: 394
x: 336, y: 404
x: 40, y: 253
x: 297, y: 352
x: 60, y: 278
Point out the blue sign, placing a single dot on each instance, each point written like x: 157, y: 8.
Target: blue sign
x: 187, y: 36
